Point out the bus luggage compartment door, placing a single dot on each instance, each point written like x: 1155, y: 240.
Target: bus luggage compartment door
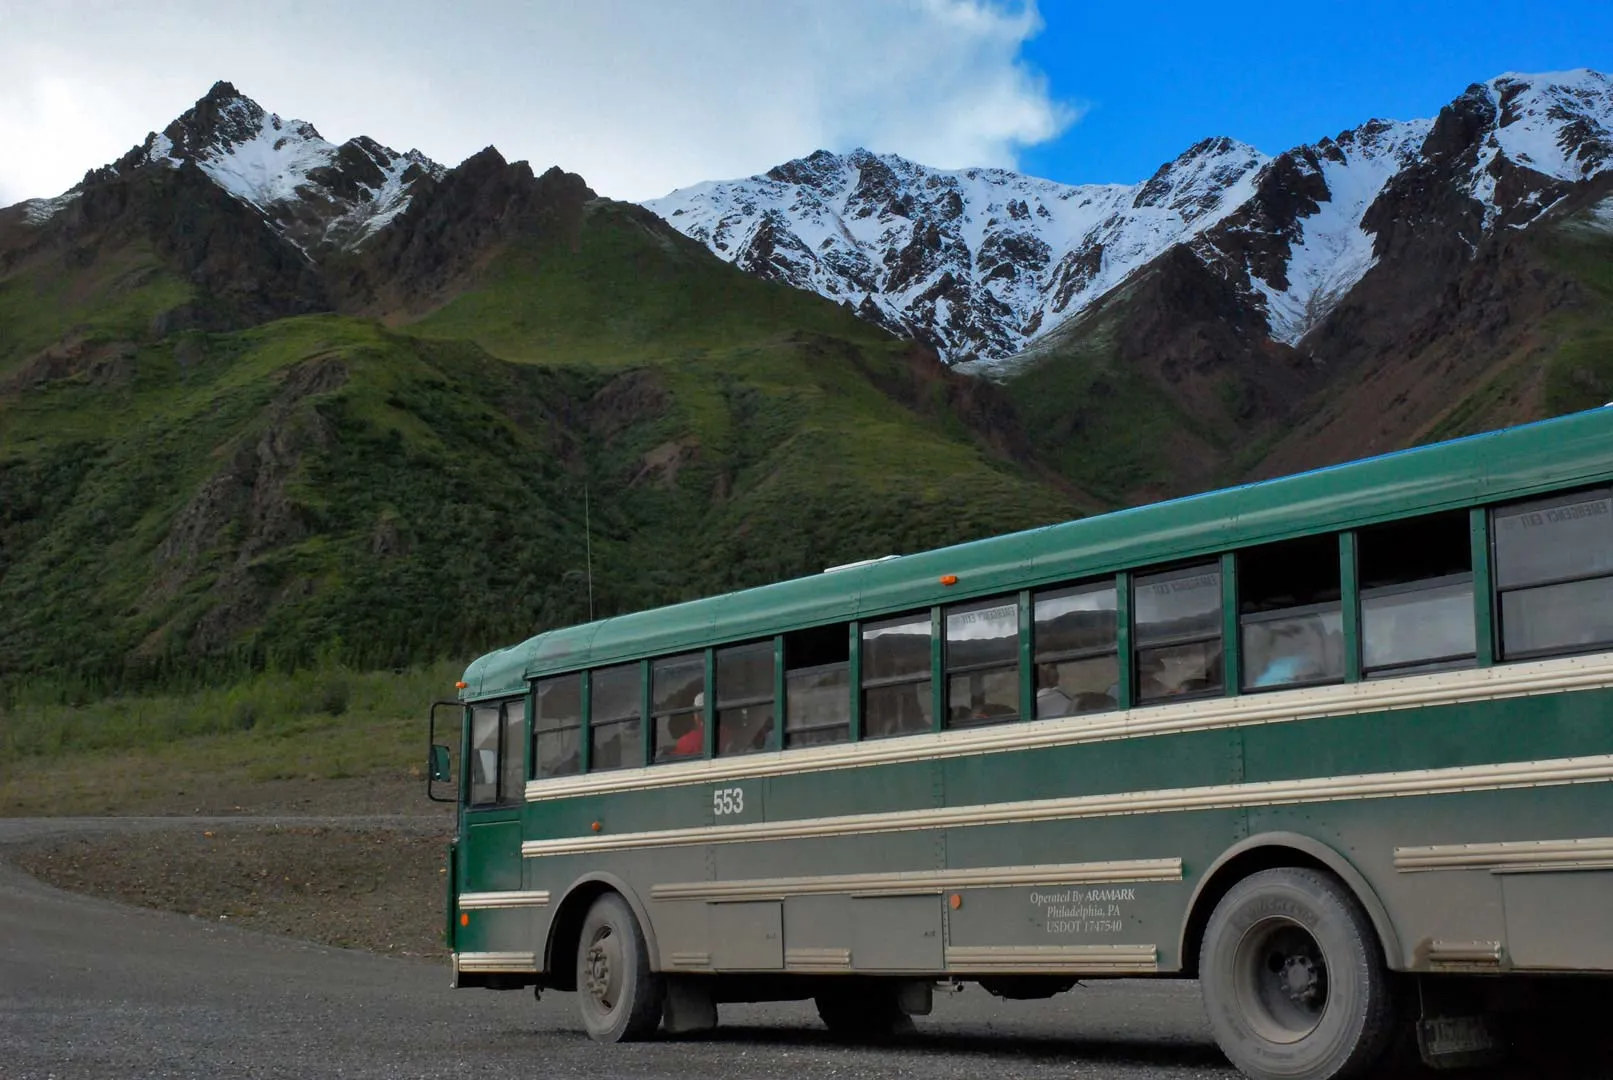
x: 747, y: 936
x: 1558, y: 921
x: 897, y: 933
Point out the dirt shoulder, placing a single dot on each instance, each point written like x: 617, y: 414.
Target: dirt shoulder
x: 361, y: 887
x: 148, y: 784
x: 352, y: 862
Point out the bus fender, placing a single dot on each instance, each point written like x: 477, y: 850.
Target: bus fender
x: 640, y: 913
x: 1313, y: 849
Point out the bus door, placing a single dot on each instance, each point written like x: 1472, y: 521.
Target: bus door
x: 488, y: 860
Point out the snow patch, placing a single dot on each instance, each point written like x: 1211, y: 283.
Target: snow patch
x: 39, y: 211
x: 1539, y: 111
x: 161, y: 150
x: 1596, y: 219
x: 1334, y: 250
x: 269, y: 166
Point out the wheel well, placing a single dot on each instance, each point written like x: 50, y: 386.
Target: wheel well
x: 565, y: 932
x: 1228, y: 874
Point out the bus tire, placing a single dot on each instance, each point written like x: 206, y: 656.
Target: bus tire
x: 1293, y: 978
x: 620, y: 997
x: 862, y: 1011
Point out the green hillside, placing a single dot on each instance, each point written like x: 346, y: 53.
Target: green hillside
x: 112, y: 301
x: 184, y: 508
x: 1579, y: 374
x: 618, y: 287
x: 1147, y: 395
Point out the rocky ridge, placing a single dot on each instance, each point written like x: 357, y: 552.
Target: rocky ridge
x: 984, y: 262
x: 315, y: 193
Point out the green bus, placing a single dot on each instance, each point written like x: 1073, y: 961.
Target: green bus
x: 1337, y: 745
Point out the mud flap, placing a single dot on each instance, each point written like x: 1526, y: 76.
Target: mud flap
x: 915, y: 998
x: 688, y: 1008
x: 1454, y: 1031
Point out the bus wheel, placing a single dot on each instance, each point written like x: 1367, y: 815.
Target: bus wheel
x: 1293, y: 978
x: 619, y: 994
x: 862, y: 1011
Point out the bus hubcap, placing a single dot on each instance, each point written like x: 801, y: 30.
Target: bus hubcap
x: 1282, y: 980
x: 1301, y: 980
x: 601, y: 969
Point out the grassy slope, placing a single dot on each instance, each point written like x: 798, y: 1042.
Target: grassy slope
x: 1096, y: 420
x: 261, y: 740
x: 1580, y: 373
x: 1112, y: 430
x: 324, y: 489
x: 792, y: 456
x: 628, y: 290
x: 1569, y: 366
x: 113, y: 300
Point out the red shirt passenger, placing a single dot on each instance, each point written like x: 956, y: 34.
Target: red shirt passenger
x: 692, y: 740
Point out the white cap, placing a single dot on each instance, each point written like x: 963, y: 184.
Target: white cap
x: 700, y: 699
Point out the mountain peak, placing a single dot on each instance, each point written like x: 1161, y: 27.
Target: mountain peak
x: 223, y: 120
x: 811, y: 170
x: 314, y: 193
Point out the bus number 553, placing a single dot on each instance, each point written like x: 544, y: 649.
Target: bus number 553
x: 728, y: 800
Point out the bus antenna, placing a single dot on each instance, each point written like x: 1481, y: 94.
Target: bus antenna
x: 588, y: 547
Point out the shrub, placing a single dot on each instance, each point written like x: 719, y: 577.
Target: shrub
x: 332, y: 695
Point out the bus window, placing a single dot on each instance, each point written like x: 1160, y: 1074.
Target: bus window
x: 744, y: 698
x: 512, y: 766
x: 1416, y: 595
x: 1077, y: 666
x: 982, y: 662
x: 678, y: 698
x: 1177, y: 614
x: 615, y: 711
x: 896, y: 676
x: 1554, y: 570
x: 1289, y: 616
x: 484, y: 771
x: 497, y: 767
x: 557, y: 726
x: 817, y: 685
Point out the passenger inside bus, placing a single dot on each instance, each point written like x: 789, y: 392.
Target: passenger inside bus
x: 688, y: 730
x: 1294, y: 651
x: 1051, y: 700
x: 1179, y: 671
x: 744, y: 729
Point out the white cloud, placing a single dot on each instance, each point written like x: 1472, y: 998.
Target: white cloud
x: 639, y: 96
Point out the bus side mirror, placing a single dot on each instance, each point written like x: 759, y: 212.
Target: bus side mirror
x: 439, y: 759
x: 439, y: 765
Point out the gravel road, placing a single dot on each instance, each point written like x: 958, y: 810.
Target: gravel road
x: 94, y: 989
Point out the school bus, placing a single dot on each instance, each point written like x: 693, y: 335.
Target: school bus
x: 1337, y: 745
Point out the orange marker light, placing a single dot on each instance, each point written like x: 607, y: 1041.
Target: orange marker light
x: 464, y: 919
x: 461, y: 684
x: 955, y: 901
x: 597, y: 826
x: 949, y: 579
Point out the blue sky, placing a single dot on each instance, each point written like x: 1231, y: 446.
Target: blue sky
x: 1156, y: 77
x: 643, y: 96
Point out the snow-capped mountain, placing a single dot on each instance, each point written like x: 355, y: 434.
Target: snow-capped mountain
x: 313, y: 192
x: 983, y: 262
x: 974, y: 260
